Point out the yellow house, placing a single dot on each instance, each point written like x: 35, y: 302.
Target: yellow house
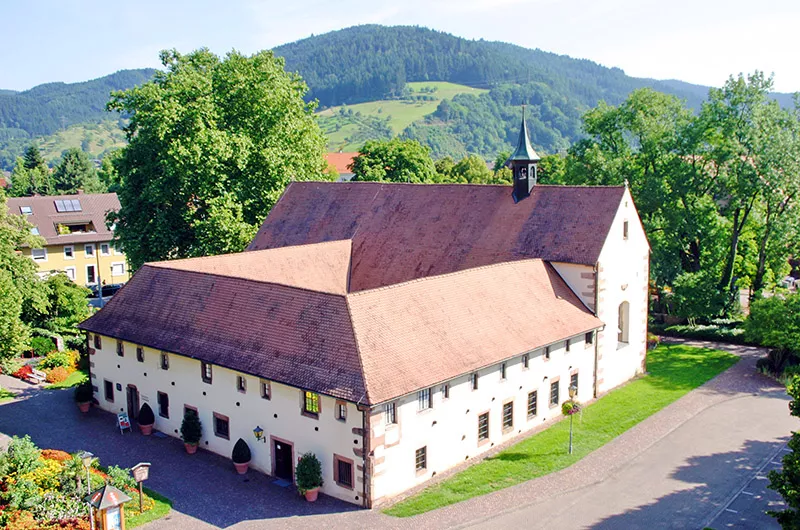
x: 77, y: 239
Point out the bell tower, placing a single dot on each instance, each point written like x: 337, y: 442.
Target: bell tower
x: 523, y: 163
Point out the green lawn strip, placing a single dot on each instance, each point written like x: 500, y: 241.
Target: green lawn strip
x: 132, y: 516
x: 74, y: 379
x: 674, y: 370
x: 6, y: 395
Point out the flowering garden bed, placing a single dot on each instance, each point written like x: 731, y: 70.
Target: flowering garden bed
x: 45, y: 489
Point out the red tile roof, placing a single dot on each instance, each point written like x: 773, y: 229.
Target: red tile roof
x: 3, y: 182
x: 405, y: 231
x: 340, y: 161
x: 94, y: 208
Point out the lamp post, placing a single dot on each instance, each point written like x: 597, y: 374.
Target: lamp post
x: 573, y: 390
x: 87, y: 457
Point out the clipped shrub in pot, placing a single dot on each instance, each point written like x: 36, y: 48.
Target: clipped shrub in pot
x: 146, y: 419
x: 191, y: 431
x: 83, y: 397
x: 241, y: 456
x: 309, y: 476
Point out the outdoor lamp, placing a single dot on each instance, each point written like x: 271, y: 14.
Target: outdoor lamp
x: 573, y: 390
x: 87, y: 457
x: 259, y: 434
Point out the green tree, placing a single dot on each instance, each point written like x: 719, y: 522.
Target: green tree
x: 394, y: 161
x: 787, y: 480
x: 775, y: 322
x: 210, y: 140
x: 472, y: 169
x: 76, y: 172
x: 107, y: 174
x: 33, y: 159
x: 21, y: 182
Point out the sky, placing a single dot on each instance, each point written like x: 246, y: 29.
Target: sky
x: 698, y: 41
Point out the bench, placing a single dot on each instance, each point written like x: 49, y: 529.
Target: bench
x: 36, y: 377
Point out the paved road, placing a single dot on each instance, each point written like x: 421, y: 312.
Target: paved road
x: 684, y: 467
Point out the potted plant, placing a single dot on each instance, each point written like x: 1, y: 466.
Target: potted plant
x: 241, y: 456
x: 146, y: 419
x: 191, y: 431
x: 309, y: 476
x: 83, y: 397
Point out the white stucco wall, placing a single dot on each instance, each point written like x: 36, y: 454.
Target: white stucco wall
x: 449, y: 430
x: 579, y: 278
x: 280, y: 416
x: 623, y: 271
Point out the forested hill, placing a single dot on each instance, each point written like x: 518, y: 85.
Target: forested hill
x: 47, y: 108
x: 372, y: 62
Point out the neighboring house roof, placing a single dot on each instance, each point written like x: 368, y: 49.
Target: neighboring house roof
x: 93, y: 209
x: 366, y: 347
x: 340, y: 161
x: 3, y: 182
x: 401, y: 232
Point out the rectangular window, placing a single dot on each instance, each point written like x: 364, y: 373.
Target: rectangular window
x: 532, y: 399
x: 120, y: 348
x: 91, y: 274
x: 206, y: 372
x: 566, y: 344
x: 311, y: 403
x: 341, y: 411
x: 502, y: 370
x: 483, y: 427
x: 421, y: 459
x: 69, y: 252
x: 140, y: 354
x: 343, y: 472
x: 508, y: 416
x: 474, y: 381
x: 164, y: 361
x: 25, y: 210
x: 589, y: 339
x: 108, y: 387
x: 97, y: 342
x: 554, y: 394
x: 525, y: 360
x: 424, y: 399
x: 117, y: 251
x: 573, y: 382
x: 89, y: 250
x: 390, y: 413
x: 547, y: 353
x: 266, y: 391
x: 118, y: 269
x: 222, y: 426
x: 241, y: 384
x: 70, y: 273
x: 625, y: 230
x: 446, y: 391
x: 105, y: 250
x: 39, y: 254
x: 163, y: 405
x: 35, y: 231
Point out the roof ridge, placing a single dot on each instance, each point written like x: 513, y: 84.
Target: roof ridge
x: 242, y: 252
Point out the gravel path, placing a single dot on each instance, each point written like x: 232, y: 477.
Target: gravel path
x: 209, y: 494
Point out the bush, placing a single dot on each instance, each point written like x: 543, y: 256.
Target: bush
x: 57, y: 375
x: 41, y: 346
x: 700, y: 332
x: 146, y: 416
x: 55, y: 454
x: 120, y: 477
x: 191, y: 427
x: 84, y: 393
x: 10, y: 366
x: 241, y: 452
x: 309, y: 473
x: 57, y: 359
x: 775, y: 322
x: 23, y: 372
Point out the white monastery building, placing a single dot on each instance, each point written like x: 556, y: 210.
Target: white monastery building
x: 394, y: 330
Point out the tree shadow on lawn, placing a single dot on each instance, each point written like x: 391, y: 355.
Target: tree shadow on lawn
x: 204, y: 485
x: 715, y: 477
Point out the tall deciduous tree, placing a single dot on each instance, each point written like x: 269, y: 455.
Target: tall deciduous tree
x: 212, y: 143
x: 394, y: 161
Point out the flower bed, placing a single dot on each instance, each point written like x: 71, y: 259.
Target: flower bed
x: 45, y: 489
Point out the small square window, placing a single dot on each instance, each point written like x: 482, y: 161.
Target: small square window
x: 589, y: 339
x: 554, y: 399
x: 105, y: 249
x: 25, y: 210
x: 445, y: 391
x: 108, y: 388
x: 341, y: 411
x: 97, y: 342
x: 390, y: 413
x: 474, y: 381
x: 421, y: 459
x: 526, y: 360
x: 508, y: 416
x: 117, y: 269
x: 164, y: 361
x: 70, y: 271
x: 89, y: 250
x: 120, y: 348
x: 483, y: 427
x: 241, y: 384
x: 206, y: 372
x: 163, y: 405
x: 532, y: 404
x: 311, y: 403
x: 140, y: 354
x: 39, y: 254
x: 69, y: 252
x: 222, y: 426
x: 424, y: 399
x: 502, y: 370
x: 266, y: 390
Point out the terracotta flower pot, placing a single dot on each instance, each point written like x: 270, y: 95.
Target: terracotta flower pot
x: 147, y: 430
x: 311, y: 495
x: 241, y: 468
x: 84, y: 407
x: 190, y: 448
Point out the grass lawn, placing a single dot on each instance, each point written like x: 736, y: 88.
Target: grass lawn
x: 674, y: 370
x: 6, y: 395
x: 132, y: 516
x: 74, y: 379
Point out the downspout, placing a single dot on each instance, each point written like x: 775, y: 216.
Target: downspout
x: 597, y: 335
x: 365, y: 438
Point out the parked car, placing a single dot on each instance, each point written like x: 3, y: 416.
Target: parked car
x: 108, y: 290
